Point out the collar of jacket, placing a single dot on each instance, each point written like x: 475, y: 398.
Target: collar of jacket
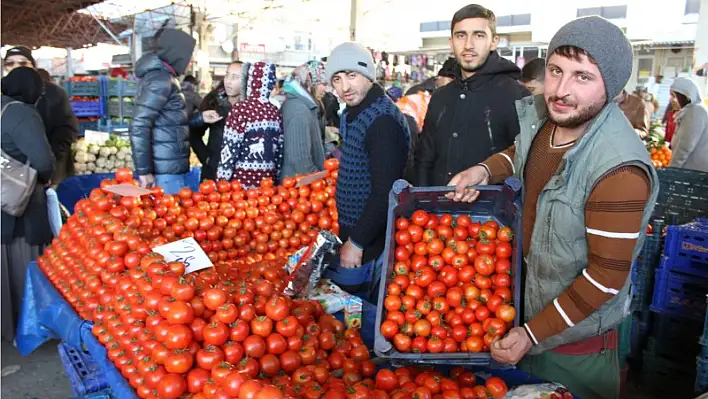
x: 375, y: 92
x: 169, y: 68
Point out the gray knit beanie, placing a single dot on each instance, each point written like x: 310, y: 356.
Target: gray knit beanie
x: 605, y: 42
x: 350, y: 56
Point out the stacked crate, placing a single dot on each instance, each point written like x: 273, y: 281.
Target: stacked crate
x: 120, y: 103
x: 86, y: 102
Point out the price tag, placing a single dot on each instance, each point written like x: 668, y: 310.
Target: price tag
x: 95, y: 137
x: 309, y: 179
x: 127, y: 190
x: 187, y: 251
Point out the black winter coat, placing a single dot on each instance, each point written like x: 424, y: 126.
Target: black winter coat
x: 159, y: 131
x: 469, y: 120
x: 23, y: 138
x: 209, y: 153
x: 61, y: 128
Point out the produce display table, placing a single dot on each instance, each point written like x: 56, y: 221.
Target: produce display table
x: 73, y: 189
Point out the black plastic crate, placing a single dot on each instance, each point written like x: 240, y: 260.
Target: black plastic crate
x: 675, y: 337
x: 499, y: 203
x: 666, y: 378
x: 683, y: 195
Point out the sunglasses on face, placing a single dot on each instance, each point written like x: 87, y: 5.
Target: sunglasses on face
x: 11, y: 64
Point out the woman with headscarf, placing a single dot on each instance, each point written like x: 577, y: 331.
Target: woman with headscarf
x: 690, y: 142
x: 303, y: 120
x: 23, y: 238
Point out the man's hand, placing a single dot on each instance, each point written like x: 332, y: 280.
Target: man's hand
x: 350, y: 256
x: 147, y: 181
x: 512, y: 348
x: 211, y: 116
x: 473, y: 176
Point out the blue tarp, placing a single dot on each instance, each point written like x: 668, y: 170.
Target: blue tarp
x: 45, y: 314
x: 120, y: 388
x: 73, y: 189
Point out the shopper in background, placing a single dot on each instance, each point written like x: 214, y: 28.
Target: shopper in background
x: 229, y: 92
x: 532, y: 75
x: 192, y: 99
x: 589, y: 191
x: 690, y: 142
x: 448, y: 73
x: 55, y: 109
x: 159, y: 131
x: 375, y: 149
x: 473, y: 117
x: 24, y: 139
x: 252, y: 146
x: 635, y: 109
x: 669, y: 119
x: 303, y: 120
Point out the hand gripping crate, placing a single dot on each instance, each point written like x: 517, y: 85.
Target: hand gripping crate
x: 499, y: 203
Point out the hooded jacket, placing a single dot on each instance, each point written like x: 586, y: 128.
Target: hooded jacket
x: 690, y: 141
x: 252, y: 146
x: 468, y: 121
x: 192, y: 99
x: 159, y: 130
x: 303, y: 131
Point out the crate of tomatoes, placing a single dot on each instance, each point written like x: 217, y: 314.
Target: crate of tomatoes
x: 450, y: 283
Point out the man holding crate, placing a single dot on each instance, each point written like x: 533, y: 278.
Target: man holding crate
x: 589, y: 191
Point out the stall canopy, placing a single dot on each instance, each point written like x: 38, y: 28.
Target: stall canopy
x: 53, y: 23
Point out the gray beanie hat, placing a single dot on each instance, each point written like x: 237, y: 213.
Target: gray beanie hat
x: 605, y: 42
x: 350, y: 56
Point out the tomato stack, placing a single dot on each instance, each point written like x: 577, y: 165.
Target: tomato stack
x: 451, y: 289
x: 431, y: 383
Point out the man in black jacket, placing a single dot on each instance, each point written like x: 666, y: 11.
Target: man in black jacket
x: 159, y: 131
x: 55, y: 109
x: 475, y: 116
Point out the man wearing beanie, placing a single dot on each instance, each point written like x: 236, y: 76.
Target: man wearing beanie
x: 159, y: 131
x: 474, y: 116
x: 375, y: 149
x: 589, y: 191
x: 55, y: 109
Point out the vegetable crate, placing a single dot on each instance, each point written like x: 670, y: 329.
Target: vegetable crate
x: 686, y: 249
x: 679, y: 295
x: 87, y: 125
x: 683, y: 195
x: 499, y: 203
x: 122, y: 87
x: 675, y: 337
x: 113, y: 108
x: 84, y: 89
x: 87, y: 109
x: 84, y: 374
x: 701, y: 385
x: 665, y: 378
x: 106, y: 394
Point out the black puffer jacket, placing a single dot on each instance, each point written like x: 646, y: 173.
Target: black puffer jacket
x: 469, y: 120
x: 159, y: 131
x: 61, y: 126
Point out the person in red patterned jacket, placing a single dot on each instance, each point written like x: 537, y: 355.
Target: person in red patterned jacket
x: 252, y: 146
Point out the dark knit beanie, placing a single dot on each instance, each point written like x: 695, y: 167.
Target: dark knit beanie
x: 605, y: 42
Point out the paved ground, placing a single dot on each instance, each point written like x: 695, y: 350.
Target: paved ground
x: 40, y: 375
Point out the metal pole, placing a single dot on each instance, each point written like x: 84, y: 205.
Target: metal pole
x: 352, y: 21
x: 69, y: 63
x: 105, y: 28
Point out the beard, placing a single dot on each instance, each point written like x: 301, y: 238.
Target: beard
x: 473, y: 66
x: 581, y: 117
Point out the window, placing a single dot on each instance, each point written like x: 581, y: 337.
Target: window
x: 434, y: 26
x: 614, y: 12
x: 514, y: 20
x: 692, y: 7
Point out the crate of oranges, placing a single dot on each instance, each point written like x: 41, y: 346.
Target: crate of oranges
x: 660, y: 156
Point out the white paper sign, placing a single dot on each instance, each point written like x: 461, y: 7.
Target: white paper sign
x: 127, y: 190
x: 95, y: 137
x: 187, y: 251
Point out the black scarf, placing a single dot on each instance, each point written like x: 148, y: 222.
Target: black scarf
x: 23, y: 84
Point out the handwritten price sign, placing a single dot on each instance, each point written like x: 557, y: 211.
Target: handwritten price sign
x: 186, y: 251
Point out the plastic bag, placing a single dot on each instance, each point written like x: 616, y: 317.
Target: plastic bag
x: 306, y: 266
x: 539, y: 391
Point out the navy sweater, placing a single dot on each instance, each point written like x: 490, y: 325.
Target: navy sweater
x: 374, y: 155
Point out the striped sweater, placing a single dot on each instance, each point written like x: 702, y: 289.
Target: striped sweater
x: 614, y: 208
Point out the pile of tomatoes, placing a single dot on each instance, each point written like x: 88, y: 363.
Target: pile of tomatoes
x: 461, y: 384
x: 451, y: 285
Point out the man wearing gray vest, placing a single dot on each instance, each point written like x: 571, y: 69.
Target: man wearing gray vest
x: 589, y: 191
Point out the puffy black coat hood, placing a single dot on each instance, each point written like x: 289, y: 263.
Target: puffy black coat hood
x: 174, y: 47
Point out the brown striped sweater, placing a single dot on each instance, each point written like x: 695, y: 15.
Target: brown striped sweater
x: 613, y: 216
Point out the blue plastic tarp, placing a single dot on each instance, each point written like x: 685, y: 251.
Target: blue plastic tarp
x: 73, y: 189
x: 45, y: 315
x: 120, y: 388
